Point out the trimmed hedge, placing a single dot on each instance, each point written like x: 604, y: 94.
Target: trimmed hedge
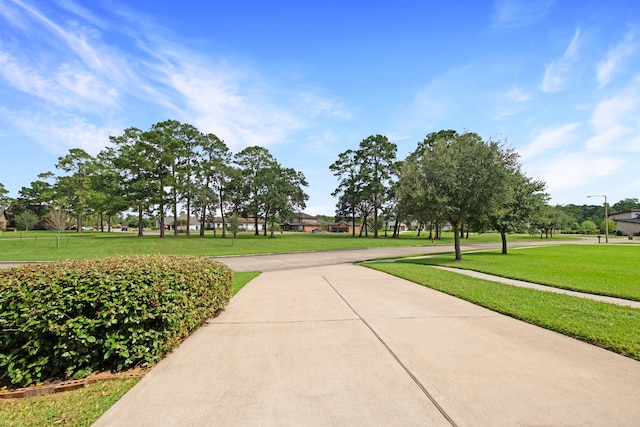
x: 70, y: 318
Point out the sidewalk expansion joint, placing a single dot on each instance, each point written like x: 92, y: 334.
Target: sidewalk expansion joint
x: 395, y: 356
x: 270, y: 322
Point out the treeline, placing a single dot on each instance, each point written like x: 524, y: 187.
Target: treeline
x: 171, y: 165
x: 456, y: 179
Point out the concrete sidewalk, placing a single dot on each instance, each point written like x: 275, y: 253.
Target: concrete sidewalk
x: 346, y: 345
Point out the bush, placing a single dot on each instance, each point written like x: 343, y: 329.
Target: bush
x: 70, y: 318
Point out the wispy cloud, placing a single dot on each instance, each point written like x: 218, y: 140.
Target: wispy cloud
x: 559, y: 71
x: 519, y: 13
x: 614, y: 59
x: 615, y: 121
x: 74, y: 69
x: 567, y: 171
x: 59, y: 132
x: 549, y: 140
x: 515, y: 94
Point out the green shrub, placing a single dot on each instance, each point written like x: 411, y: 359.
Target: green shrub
x: 70, y: 318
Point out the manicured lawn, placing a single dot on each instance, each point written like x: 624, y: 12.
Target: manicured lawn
x: 610, y: 270
x: 608, y: 326
x: 83, y: 406
x: 79, y: 407
x: 41, y: 245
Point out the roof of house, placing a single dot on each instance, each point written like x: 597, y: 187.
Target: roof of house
x: 631, y: 220
x: 302, y: 215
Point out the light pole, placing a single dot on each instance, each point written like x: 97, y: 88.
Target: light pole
x: 606, y: 217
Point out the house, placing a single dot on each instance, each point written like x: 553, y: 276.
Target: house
x: 343, y: 227
x: 3, y: 220
x: 627, y: 223
x: 181, y: 224
x: 391, y: 224
x: 302, y: 222
x: 244, y: 224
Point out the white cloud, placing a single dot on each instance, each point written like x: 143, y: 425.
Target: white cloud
x: 614, y: 59
x: 59, y: 132
x: 614, y: 120
x: 559, y: 71
x: 549, y: 141
x: 519, y: 13
x: 72, y: 68
x: 570, y: 171
x: 66, y: 86
x: 515, y: 94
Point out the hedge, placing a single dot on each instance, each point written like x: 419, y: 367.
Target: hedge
x: 68, y: 319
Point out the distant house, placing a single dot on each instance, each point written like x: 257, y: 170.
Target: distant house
x: 343, y: 227
x: 392, y: 223
x: 244, y: 224
x: 302, y: 222
x: 627, y: 223
x: 3, y: 220
x: 181, y: 224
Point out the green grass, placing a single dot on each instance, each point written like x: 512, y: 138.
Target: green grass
x: 240, y: 279
x: 83, y: 406
x: 41, y: 245
x: 79, y: 407
x: 610, y: 270
x: 606, y: 325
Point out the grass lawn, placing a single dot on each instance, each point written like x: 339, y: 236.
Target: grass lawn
x: 606, y: 325
x: 79, y: 407
x: 41, y: 245
x: 610, y: 270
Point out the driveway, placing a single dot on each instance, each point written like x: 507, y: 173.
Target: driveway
x: 345, y: 345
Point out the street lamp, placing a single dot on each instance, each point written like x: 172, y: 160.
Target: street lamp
x: 606, y: 217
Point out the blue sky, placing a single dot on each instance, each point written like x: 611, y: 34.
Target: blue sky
x: 557, y: 80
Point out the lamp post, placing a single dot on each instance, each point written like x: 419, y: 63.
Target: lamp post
x: 606, y: 217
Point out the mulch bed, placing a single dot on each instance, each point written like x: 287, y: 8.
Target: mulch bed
x: 62, y: 386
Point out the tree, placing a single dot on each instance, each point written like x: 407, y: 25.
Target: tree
x: 108, y: 197
x: 284, y: 193
x: 59, y: 221
x: 588, y: 227
x: 376, y: 157
x: 5, y: 200
x: 75, y: 189
x: 215, y: 172
x: 626, y: 205
x: 460, y: 176
x: 26, y: 220
x: 252, y: 161
x: 162, y: 148
x: 349, y: 190
x: 37, y: 198
x: 137, y: 170
x: 521, y: 200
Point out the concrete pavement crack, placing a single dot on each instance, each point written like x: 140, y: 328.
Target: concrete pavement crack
x: 395, y: 356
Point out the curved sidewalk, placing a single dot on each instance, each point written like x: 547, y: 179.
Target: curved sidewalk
x: 345, y: 345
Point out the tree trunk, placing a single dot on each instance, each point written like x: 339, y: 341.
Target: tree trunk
x: 188, y: 233
x: 503, y: 236
x: 108, y: 223
x: 175, y: 211
x: 257, y: 233
x: 203, y: 220
x: 375, y: 223
x: 353, y: 222
x: 456, y: 241
x: 224, y: 227
x: 141, y: 221
x: 102, y: 222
